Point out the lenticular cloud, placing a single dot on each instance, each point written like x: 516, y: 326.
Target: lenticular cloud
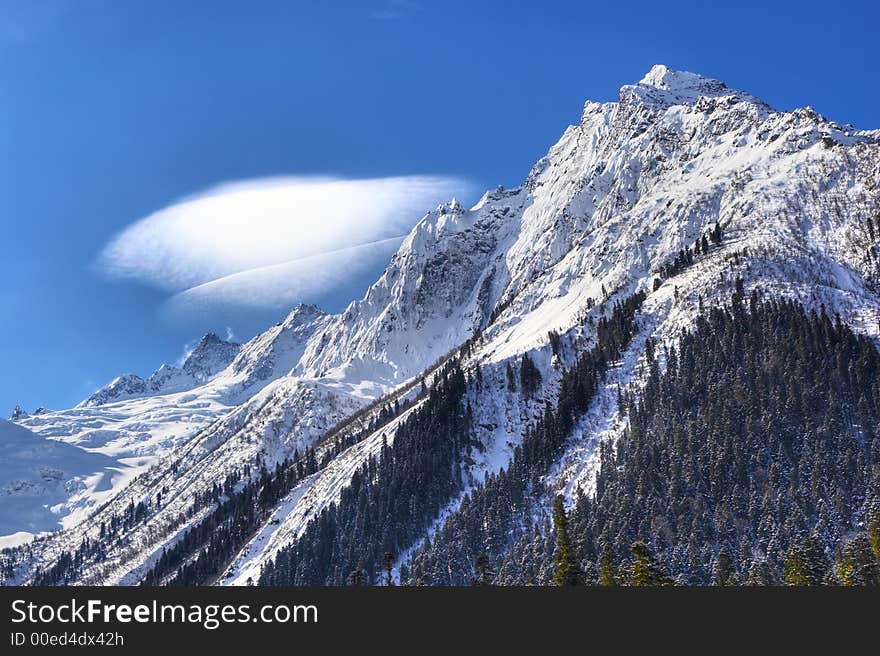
x: 280, y: 286
x: 244, y: 226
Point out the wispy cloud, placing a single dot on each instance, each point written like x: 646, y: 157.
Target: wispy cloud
x: 394, y: 9
x: 188, y: 348
x: 281, y: 286
x: 240, y: 226
x: 269, y: 243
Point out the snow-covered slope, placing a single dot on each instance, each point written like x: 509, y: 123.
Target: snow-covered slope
x: 38, y: 477
x: 622, y: 193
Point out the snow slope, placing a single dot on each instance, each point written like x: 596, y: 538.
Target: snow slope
x: 38, y: 477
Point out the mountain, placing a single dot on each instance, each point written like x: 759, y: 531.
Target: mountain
x: 211, y: 356
x: 136, y: 421
x: 18, y: 413
x: 514, y: 336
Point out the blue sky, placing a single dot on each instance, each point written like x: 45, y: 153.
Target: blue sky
x: 111, y: 110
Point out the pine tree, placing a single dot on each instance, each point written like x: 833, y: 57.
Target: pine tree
x: 555, y: 342
x: 567, y: 572
x: 530, y: 376
x: 723, y: 568
x: 607, y: 569
x: 857, y: 565
x: 645, y: 569
x: 357, y: 577
x: 805, y: 563
x: 760, y: 573
x: 483, y: 570
x: 872, y: 517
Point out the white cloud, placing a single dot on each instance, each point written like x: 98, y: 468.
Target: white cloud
x: 244, y: 225
x: 281, y: 286
x: 188, y: 348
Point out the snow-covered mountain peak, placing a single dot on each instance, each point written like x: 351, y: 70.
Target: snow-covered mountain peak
x: 209, y: 357
x: 275, y: 352
x: 663, y: 77
x: 18, y: 413
x: 497, y: 194
x: 302, y: 314
x: 125, y: 386
x: 446, y: 218
x: 208, y: 341
x: 663, y: 87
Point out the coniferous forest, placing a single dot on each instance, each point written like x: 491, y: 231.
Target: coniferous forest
x: 752, y: 458
x: 391, y: 500
x: 493, y: 515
